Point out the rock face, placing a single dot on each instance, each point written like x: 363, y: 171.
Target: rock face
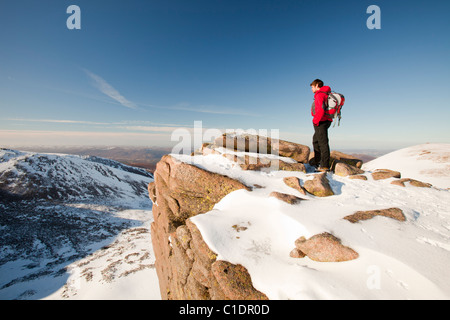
x: 183, y: 190
x: 186, y: 267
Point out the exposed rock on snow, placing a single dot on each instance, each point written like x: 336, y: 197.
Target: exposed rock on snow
x: 412, y: 182
x: 325, y: 247
x: 319, y: 186
x: 379, y: 174
x: 344, y: 169
x: 340, y: 157
x: 288, y: 198
x: 294, y: 183
x: 394, y: 213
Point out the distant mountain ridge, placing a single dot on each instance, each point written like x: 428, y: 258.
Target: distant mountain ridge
x: 30, y: 175
x: 142, y: 157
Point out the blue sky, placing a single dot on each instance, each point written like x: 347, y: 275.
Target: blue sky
x: 138, y: 70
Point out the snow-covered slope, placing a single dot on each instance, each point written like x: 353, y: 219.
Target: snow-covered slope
x: 74, y: 227
x: 426, y: 162
x: 29, y: 175
x: 397, y: 260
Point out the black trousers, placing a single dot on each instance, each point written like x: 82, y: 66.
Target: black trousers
x: 320, y: 144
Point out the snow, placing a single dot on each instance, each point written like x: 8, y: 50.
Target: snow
x: 397, y: 260
x: 122, y: 270
x: 426, y: 162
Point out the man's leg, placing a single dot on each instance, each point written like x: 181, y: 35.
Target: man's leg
x: 322, y: 137
x: 316, y: 146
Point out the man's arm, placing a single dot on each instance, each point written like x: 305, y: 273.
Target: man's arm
x: 319, y: 101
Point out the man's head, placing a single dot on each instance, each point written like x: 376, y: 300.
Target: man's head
x: 316, y: 85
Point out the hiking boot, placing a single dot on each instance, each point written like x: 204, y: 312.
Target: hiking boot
x: 323, y: 169
x: 313, y: 164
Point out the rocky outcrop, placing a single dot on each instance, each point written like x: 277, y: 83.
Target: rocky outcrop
x: 264, y: 145
x: 186, y: 267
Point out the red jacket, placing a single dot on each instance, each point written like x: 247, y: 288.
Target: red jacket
x: 317, y: 110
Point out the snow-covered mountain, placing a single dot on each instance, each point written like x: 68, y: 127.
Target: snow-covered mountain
x: 29, y: 175
x: 69, y: 224
x: 425, y: 162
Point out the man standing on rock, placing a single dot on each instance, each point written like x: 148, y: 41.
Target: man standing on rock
x: 321, y: 122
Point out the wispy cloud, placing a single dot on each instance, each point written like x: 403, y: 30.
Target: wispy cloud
x: 57, y: 121
x: 108, y: 90
x: 205, y: 109
x: 132, y: 125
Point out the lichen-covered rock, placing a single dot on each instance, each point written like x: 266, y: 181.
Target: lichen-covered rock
x: 294, y: 183
x: 260, y: 144
x: 295, y: 253
x: 412, y: 182
x: 235, y: 281
x: 296, y: 166
x: 188, y: 190
x: 288, y: 198
x: 152, y: 191
x: 343, y: 169
x: 183, y: 259
x: 340, y: 157
x: 385, y: 174
x: 358, y: 177
x: 325, y: 247
x: 319, y: 186
x: 393, y: 213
